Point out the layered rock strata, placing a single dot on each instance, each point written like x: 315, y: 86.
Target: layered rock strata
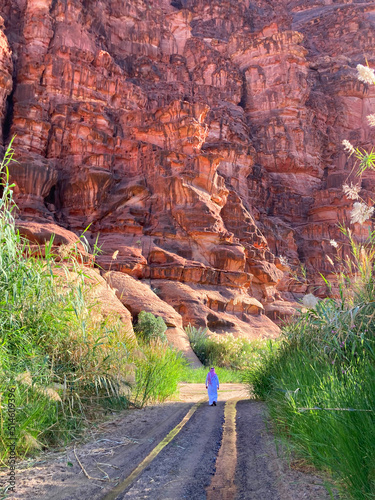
x: 199, y: 139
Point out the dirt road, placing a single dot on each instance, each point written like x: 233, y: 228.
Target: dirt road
x: 184, y: 449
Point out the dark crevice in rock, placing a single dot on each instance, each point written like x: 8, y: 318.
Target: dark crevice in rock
x: 49, y: 137
x: 300, y: 250
x: 243, y: 100
x: 51, y: 202
x: 177, y: 4
x: 217, y: 324
x: 53, y: 5
x: 50, y: 198
x: 14, y: 24
x: 8, y: 118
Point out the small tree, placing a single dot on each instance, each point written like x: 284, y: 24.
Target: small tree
x: 150, y: 327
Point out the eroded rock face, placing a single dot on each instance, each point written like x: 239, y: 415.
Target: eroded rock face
x: 200, y: 139
x: 137, y: 297
x: 101, y: 297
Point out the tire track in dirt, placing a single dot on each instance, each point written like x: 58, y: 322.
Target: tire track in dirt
x: 124, y: 485
x: 222, y: 486
x: 206, y: 460
x: 184, y: 468
x: 52, y: 478
x: 261, y: 472
x: 255, y: 474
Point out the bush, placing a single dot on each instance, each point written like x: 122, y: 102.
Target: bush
x: 159, y: 371
x: 226, y: 351
x: 150, y: 327
x: 198, y: 375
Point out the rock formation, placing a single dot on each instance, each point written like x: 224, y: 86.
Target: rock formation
x: 201, y: 139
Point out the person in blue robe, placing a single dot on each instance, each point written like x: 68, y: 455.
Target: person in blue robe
x: 212, y: 386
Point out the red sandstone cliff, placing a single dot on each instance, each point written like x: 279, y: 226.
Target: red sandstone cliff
x: 200, y: 139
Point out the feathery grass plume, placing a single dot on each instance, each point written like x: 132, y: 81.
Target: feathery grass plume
x: 283, y: 261
x: 115, y: 254
x: 363, y: 256
x: 330, y: 260
x: 371, y: 120
x: 361, y: 213
x: 333, y: 243
x: 25, y: 378
x: 310, y: 301
x: 50, y: 393
x: 365, y: 74
x: 65, y: 251
x: 352, y: 191
x: 348, y: 146
x: 30, y: 442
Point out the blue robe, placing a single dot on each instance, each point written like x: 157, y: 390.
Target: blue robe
x: 212, y: 388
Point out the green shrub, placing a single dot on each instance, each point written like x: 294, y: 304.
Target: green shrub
x: 159, y: 371
x: 225, y: 350
x: 150, y: 327
x: 198, y: 375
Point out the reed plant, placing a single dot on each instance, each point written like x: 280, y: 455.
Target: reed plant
x: 159, y: 371
x: 319, y: 385
x: 321, y: 398
x: 68, y: 363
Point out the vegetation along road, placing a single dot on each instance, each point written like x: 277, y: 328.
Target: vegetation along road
x: 183, y: 449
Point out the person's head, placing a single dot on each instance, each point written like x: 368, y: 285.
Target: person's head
x: 212, y: 369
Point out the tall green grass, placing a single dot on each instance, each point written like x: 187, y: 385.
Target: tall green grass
x: 198, y: 375
x: 160, y: 366
x: 226, y: 351
x: 158, y: 373
x: 320, y: 384
x: 327, y: 411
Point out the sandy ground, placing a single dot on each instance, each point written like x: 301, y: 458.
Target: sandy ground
x: 184, y: 469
